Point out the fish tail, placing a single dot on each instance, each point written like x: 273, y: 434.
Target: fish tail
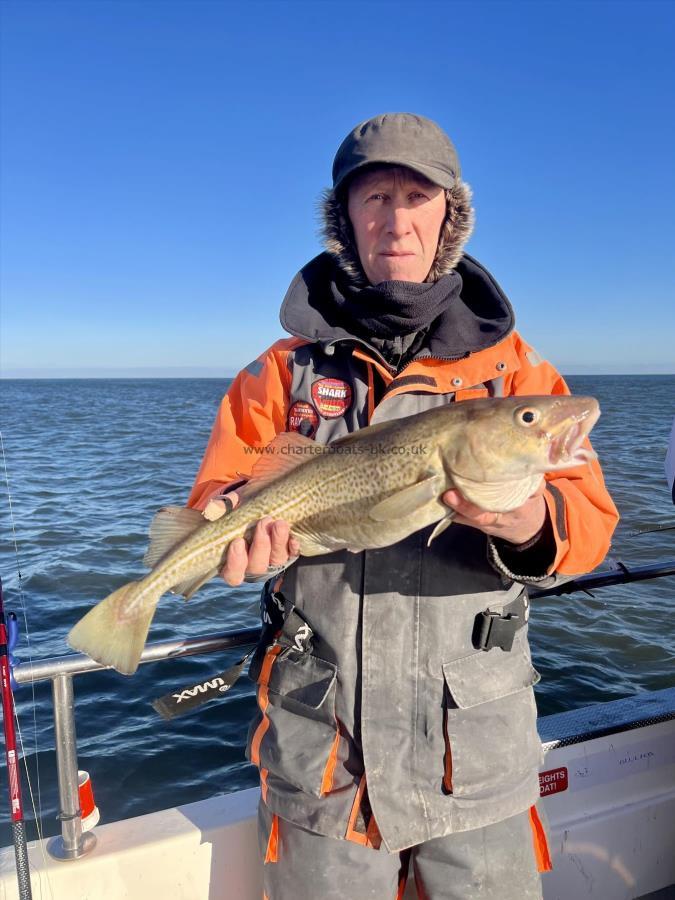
x: 115, y: 630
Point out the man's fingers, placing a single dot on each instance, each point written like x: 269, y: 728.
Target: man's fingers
x: 464, y: 507
x: 516, y: 526
x: 270, y: 546
x: 261, y: 548
x: 235, y: 567
x: 218, y: 506
x: 452, y: 498
x: 477, y: 514
x: 484, y: 520
x: 214, y: 510
x: 280, y: 535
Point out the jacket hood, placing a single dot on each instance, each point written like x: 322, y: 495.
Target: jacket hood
x: 480, y: 317
x: 338, y: 236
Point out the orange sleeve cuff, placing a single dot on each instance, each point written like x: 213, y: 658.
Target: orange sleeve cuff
x: 583, y: 517
x: 556, y: 507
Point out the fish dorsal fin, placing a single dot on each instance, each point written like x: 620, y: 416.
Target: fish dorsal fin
x: 498, y: 496
x: 408, y: 501
x: 358, y: 436
x: 286, y: 452
x: 171, y: 525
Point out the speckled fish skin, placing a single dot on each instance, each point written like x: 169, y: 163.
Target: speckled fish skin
x: 367, y: 490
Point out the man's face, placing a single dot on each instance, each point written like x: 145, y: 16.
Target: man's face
x: 396, y: 215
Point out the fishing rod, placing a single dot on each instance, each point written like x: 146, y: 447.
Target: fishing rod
x: 11, y: 754
x: 620, y: 574
x: 652, y: 529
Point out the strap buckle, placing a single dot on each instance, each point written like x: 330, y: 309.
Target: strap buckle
x: 495, y: 630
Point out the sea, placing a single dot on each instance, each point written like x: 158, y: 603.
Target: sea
x: 86, y: 465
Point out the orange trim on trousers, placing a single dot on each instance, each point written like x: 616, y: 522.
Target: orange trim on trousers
x: 372, y: 837
x: 263, y: 703
x: 541, y: 851
x: 272, y: 852
x: 447, y: 757
x: 329, y: 771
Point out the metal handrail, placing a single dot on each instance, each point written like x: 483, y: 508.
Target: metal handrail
x: 79, y: 663
x: 73, y: 843
x: 61, y: 670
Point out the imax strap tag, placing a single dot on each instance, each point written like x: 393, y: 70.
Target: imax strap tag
x: 186, y: 700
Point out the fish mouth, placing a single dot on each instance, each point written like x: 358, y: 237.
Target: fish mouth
x: 567, y: 436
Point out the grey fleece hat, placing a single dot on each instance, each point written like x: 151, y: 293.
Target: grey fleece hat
x: 399, y: 139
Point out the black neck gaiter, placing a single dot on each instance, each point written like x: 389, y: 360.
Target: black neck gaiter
x: 393, y: 308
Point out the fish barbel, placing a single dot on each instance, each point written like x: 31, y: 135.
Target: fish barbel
x: 369, y: 489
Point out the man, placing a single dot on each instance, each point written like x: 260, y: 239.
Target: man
x: 392, y: 725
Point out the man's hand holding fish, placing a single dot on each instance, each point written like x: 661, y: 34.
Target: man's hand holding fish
x: 271, y: 545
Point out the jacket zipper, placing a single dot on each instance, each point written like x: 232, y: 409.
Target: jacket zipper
x: 440, y: 358
x: 384, y: 362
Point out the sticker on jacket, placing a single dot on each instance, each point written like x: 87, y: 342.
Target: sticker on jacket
x: 303, y: 418
x: 332, y: 397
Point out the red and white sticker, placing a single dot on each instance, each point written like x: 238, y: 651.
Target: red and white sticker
x: 332, y: 397
x: 303, y: 417
x: 553, y: 781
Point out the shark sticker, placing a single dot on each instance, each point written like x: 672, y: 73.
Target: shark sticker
x: 332, y: 397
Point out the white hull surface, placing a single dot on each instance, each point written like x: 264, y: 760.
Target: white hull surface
x: 609, y: 794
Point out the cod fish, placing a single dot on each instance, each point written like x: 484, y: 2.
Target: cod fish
x: 369, y: 489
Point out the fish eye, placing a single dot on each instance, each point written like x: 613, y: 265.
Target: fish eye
x: 527, y: 415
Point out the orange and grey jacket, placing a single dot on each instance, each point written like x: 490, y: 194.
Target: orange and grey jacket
x: 379, y: 720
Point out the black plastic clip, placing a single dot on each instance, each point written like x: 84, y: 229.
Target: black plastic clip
x: 494, y: 630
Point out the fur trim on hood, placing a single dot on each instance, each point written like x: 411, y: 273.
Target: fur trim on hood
x: 338, y: 236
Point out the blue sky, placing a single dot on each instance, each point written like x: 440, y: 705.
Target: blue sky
x: 161, y: 163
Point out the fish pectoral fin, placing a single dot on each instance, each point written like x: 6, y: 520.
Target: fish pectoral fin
x: 501, y: 496
x: 441, y: 526
x: 286, y: 452
x: 190, y: 586
x: 408, y: 501
x: 171, y: 525
x: 317, y: 545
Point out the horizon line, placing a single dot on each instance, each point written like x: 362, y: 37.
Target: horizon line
x: 211, y: 372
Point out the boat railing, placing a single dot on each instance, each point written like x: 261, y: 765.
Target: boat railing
x: 73, y: 842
